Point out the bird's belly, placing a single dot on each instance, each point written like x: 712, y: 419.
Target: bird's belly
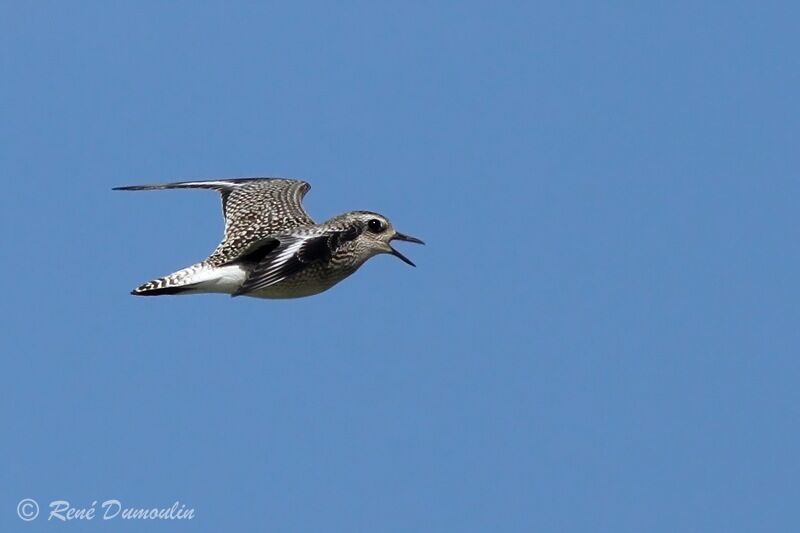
x: 279, y: 292
x: 307, y: 283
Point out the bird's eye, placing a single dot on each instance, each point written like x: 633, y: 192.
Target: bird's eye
x: 375, y: 225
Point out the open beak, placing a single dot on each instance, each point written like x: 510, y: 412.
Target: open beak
x: 401, y: 237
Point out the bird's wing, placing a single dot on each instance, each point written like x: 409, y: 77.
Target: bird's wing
x: 281, y: 256
x: 253, y: 208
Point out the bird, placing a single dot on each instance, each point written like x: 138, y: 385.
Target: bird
x: 271, y: 248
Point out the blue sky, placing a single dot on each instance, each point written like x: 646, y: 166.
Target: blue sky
x: 601, y: 334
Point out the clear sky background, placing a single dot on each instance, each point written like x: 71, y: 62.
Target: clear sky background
x: 601, y: 334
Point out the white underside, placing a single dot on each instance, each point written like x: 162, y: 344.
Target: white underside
x: 224, y: 280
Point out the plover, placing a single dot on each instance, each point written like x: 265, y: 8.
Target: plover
x: 271, y: 248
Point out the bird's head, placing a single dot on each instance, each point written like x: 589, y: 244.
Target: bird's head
x: 378, y: 233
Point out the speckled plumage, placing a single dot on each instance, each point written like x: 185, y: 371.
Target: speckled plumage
x: 271, y: 248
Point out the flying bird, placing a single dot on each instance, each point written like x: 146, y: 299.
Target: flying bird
x: 271, y: 248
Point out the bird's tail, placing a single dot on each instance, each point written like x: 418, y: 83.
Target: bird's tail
x: 183, y: 281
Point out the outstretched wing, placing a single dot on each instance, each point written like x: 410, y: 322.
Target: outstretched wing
x: 254, y: 208
x: 281, y: 256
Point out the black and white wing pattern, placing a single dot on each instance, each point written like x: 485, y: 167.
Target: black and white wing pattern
x: 253, y: 208
x: 276, y: 258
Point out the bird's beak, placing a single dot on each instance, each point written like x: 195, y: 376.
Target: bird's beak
x: 400, y: 237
